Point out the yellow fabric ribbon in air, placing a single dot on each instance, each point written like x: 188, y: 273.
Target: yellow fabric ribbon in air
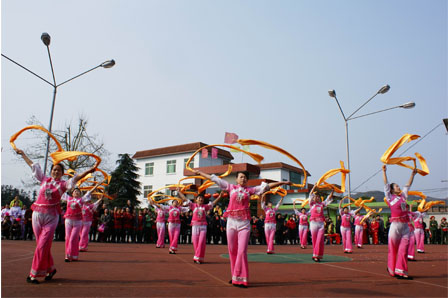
x: 303, y: 202
x: 154, y: 194
x: 321, y: 183
x: 246, y: 142
x: 424, y: 206
x: 388, y: 159
x: 17, y: 134
x: 361, y: 203
x: 204, y: 185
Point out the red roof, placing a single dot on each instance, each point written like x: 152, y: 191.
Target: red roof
x: 252, y: 169
x: 185, y: 148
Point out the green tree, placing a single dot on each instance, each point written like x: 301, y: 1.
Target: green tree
x: 9, y: 192
x: 124, y: 184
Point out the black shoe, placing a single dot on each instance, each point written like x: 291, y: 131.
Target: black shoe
x: 32, y: 280
x: 230, y: 281
x: 50, y: 275
x: 412, y: 260
x: 240, y: 286
x: 404, y: 277
x: 67, y: 260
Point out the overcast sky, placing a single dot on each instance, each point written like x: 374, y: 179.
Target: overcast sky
x: 189, y: 71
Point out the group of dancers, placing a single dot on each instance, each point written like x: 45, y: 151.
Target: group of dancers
x: 52, y: 192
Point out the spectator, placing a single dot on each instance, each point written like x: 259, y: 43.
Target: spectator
x: 444, y: 230
x: 16, y: 229
x: 433, y: 228
x: 28, y: 224
x: 5, y: 211
x: 291, y: 229
x: 6, y: 227
x: 104, y: 228
x: 260, y: 228
x: 15, y: 201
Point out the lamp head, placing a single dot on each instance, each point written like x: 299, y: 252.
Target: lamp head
x: 445, y: 121
x: 46, y: 39
x: 332, y: 93
x: 108, y: 64
x: 408, y: 105
x: 384, y: 89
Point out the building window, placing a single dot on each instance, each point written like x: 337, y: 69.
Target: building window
x: 146, y: 190
x: 191, y: 163
x: 295, y: 178
x: 287, y: 187
x: 167, y: 190
x: 171, y: 166
x: 149, y: 169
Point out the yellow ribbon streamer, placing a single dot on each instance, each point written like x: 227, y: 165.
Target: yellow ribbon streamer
x: 321, y: 183
x: 424, y: 206
x: 388, y: 159
x: 246, y: 142
x: 304, y: 202
x: 155, y: 194
x: 17, y: 134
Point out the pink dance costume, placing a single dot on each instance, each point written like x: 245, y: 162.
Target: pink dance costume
x: 174, y: 225
x: 359, y: 229
x: 88, y: 209
x: 346, y: 230
x: 73, y: 225
x: 45, y: 220
x: 411, y: 248
x: 160, y: 224
x: 397, y: 261
x: 317, y: 226
x: 238, y: 226
x: 270, y: 225
x: 303, y: 227
x: 419, y: 232
x: 199, y: 229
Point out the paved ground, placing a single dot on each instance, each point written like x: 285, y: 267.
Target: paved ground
x: 137, y: 270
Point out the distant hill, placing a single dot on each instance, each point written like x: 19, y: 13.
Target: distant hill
x: 379, y: 196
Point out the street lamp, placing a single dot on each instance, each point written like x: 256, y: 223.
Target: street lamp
x: 46, y: 39
x: 382, y: 90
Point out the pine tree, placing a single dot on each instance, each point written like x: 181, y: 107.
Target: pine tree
x: 124, y: 184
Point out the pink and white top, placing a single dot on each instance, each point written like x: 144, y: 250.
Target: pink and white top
x: 397, y: 204
x: 418, y: 221
x: 239, y: 197
x: 199, y: 213
x: 412, y: 217
x: 74, y: 206
x: 358, y: 219
x: 303, y: 218
x: 317, y: 209
x: 5, y: 211
x: 88, y: 209
x: 345, y: 217
x: 174, y: 213
x: 161, y: 213
x: 270, y: 212
x: 50, y: 192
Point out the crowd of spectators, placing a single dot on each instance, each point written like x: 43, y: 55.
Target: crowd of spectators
x: 133, y: 225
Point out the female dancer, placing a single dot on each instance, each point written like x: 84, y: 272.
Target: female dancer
x: 397, y: 264
x: 270, y: 222
x: 87, y: 217
x: 419, y: 232
x: 199, y: 224
x: 238, y: 223
x: 46, y: 215
x: 346, y: 229
x: 359, y: 228
x: 160, y: 223
x: 174, y: 212
x: 303, y: 225
x: 317, y: 223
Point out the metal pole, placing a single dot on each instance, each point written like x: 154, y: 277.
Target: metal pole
x: 49, y: 129
x: 348, y: 161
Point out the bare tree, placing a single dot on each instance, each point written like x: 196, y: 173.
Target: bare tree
x: 74, y: 137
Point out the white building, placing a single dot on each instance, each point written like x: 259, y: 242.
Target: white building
x: 164, y: 166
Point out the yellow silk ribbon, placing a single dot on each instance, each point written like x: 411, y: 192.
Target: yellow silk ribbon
x: 321, y: 183
x: 424, y: 206
x: 17, y: 134
x: 388, y: 159
x: 246, y: 142
x: 155, y: 194
x: 304, y: 202
x: 59, y: 155
x: 361, y: 203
